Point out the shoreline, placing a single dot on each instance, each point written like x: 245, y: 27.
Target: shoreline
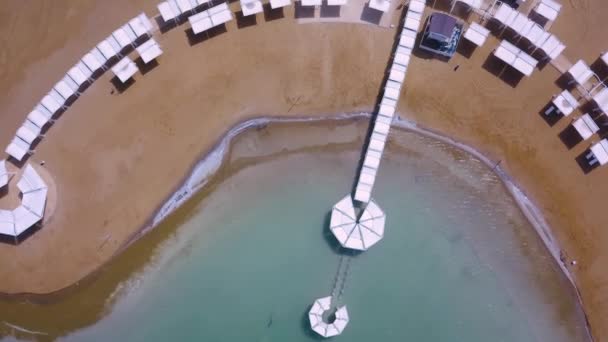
x: 205, y: 168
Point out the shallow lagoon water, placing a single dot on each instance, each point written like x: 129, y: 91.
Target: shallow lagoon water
x: 458, y: 262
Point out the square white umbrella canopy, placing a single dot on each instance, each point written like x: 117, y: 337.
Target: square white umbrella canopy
x: 600, y: 151
x: 279, y: 3
x: 565, y: 102
x: 125, y: 69
x: 380, y: 5
x: 585, y: 126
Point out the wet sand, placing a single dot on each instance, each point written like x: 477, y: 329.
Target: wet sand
x: 104, y: 151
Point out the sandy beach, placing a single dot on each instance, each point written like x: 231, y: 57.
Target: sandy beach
x: 115, y: 157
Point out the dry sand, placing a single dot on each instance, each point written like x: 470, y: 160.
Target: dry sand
x: 103, y: 153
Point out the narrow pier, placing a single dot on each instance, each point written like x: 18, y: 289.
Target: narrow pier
x: 388, y: 104
x: 340, y: 280
x: 358, y: 223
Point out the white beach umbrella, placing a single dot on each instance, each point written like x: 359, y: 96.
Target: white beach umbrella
x: 320, y: 328
x: 35, y: 201
x: 600, y: 151
x: 3, y: 174
x: 331, y: 331
x: 17, y: 148
x: 7, y: 223
x: 601, y: 98
x: 315, y: 315
x: 353, y: 234
x: 31, y: 211
x: 30, y: 180
x: 24, y: 219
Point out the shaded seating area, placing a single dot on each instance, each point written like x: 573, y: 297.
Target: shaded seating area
x: 311, y: 2
x: 78, y: 76
x: 318, y: 325
x: 251, y: 7
x: 601, y: 99
x: 210, y: 18
x: 505, y: 15
x: 552, y: 47
x: 358, y: 233
x: 51, y: 103
x: 513, y: 56
x: 31, y: 210
x: 40, y: 116
x: 169, y: 10
x: 416, y: 6
x: 477, y: 34
x: 66, y: 88
x: 274, y: 4
x: 585, y: 126
x: 5, y: 176
x: 18, y: 149
x: 470, y: 4
x: 200, y: 22
x: 380, y: 5
x: 524, y: 27
x: 412, y: 21
x: 392, y: 90
x: 172, y: 10
x: 149, y: 51
x: 407, y: 40
x: 141, y: 25
x: 402, y: 56
x: 220, y: 14
x: 581, y: 73
x: 397, y: 73
x: 125, y: 69
x: 125, y: 37
x: 548, y: 9
x: 109, y: 48
x: 598, y: 153
x: 94, y: 60
x: 564, y: 103
x: 28, y: 132
x: 186, y: 6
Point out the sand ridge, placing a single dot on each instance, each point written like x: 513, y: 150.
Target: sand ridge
x: 104, y: 151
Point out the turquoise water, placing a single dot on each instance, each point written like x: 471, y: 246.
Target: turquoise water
x: 458, y: 261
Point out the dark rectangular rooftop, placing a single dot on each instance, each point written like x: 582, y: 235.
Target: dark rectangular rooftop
x: 442, y: 24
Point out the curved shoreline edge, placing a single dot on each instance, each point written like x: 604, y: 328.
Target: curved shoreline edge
x: 204, y: 168
x: 529, y: 209
x: 210, y: 163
